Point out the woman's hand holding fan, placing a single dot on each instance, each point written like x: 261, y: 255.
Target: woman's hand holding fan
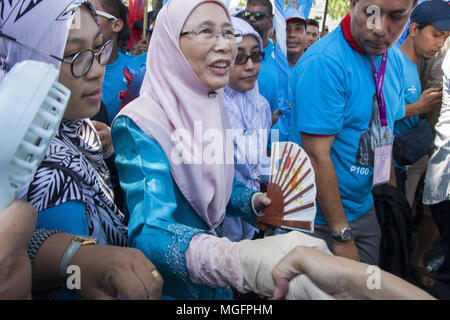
x: 292, y: 189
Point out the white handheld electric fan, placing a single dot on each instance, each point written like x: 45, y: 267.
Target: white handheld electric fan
x: 32, y: 104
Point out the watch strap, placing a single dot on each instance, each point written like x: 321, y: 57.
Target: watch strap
x: 68, y: 254
x: 338, y: 238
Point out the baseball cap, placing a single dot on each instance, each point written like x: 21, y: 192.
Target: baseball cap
x: 291, y: 14
x: 436, y: 12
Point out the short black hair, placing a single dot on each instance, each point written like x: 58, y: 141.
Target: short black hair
x: 118, y: 9
x: 422, y: 25
x: 312, y: 22
x: 265, y: 3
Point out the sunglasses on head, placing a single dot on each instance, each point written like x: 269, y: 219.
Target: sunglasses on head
x: 256, y: 57
x: 259, y: 15
x: 105, y: 15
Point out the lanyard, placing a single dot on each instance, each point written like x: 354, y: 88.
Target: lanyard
x: 379, y: 80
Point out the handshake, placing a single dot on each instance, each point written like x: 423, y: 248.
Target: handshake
x: 269, y: 266
x: 295, y: 266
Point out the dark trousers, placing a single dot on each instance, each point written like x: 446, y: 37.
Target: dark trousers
x: 441, y: 215
x: 401, y: 179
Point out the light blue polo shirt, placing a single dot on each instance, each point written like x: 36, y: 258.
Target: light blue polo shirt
x: 334, y: 93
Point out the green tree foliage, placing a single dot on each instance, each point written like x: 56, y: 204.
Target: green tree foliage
x: 157, y: 4
x: 337, y: 9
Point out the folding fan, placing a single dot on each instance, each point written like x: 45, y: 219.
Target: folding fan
x: 32, y: 106
x: 292, y: 189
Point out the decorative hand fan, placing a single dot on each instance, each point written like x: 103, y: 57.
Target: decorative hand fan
x: 292, y: 189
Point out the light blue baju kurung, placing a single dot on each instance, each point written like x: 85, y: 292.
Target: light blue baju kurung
x: 162, y: 222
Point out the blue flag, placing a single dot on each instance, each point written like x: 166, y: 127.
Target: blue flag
x: 283, y: 72
x: 284, y: 121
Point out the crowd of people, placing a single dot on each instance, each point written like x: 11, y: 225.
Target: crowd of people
x: 137, y: 190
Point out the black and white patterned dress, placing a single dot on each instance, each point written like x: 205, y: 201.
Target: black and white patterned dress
x: 73, y: 170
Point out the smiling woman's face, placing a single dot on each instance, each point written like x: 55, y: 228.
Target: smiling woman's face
x: 86, y: 93
x: 210, y: 59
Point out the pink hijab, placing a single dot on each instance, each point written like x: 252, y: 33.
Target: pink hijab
x: 173, y: 98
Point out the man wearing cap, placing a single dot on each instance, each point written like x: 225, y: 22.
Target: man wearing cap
x: 428, y: 30
x: 348, y: 92
x: 295, y: 35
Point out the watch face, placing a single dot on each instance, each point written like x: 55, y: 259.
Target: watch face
x: 346, y: 235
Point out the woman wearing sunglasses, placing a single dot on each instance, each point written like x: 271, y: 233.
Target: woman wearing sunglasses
x: 250, y: 117
x: 70, y: 189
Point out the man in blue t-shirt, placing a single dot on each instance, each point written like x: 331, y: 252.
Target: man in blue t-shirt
x: 342, y: 121
x: 295, y: 35
x: 423, y: 40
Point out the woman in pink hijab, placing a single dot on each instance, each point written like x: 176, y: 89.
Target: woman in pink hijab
x: 176, y: 165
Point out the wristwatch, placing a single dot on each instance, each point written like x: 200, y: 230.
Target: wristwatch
x: 75, y: 244
x: 344, y: 236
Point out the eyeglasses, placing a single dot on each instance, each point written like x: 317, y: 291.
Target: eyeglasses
x: 105, y: 15
x: 256, y: 57
x: 259, y: 15
x: 208, y: 34
x: 82, y: 61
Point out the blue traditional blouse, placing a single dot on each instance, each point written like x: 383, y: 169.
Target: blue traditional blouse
x: 162, y: 222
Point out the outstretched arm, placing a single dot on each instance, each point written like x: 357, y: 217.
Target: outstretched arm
x: 343, y: 278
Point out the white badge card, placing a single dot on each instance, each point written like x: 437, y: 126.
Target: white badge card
x: 382, y: 165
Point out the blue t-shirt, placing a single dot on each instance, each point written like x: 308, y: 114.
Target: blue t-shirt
x: 268, y: 82
x: 291, y: 89
x: 413, y: 90
x: 334, y: 95
x: 284, y: 121
x: 115, y: 81
x: 69, y: 217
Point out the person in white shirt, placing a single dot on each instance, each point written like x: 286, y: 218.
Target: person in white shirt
x: 437, y: 186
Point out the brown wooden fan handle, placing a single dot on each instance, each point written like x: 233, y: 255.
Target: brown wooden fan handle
x: 275, y: 194
x: 262, y: 226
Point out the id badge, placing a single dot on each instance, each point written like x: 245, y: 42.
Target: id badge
x: 382, y: 164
